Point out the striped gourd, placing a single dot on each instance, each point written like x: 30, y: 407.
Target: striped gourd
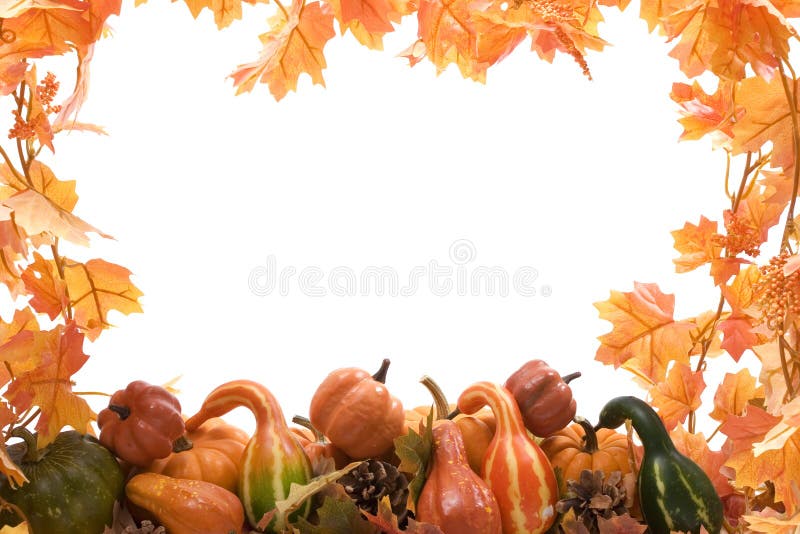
x: 514, y: 467
x: 272, y: 460
x: 675, y: 494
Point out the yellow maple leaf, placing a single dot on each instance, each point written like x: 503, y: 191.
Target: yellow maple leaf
x: 97, y: 287
x: 294, y: 45
x: 645, y: 337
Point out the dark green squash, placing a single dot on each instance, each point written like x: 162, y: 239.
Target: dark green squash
x: 73, y: 484
x: 674, y: 492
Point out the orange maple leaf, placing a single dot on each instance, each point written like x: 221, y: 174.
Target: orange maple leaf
x: 48, y: 290
x: 678, y: 395
x: 294, y: 45
x: 725, y: 36
x: 695, y: 447
x: 766, y: 117
x: 372, y: 38
x: 772, y: 377
x: 778, y: 465
x: 448, y: 36
x: 21, y: 344
x: 97, y: 287
x: 704, y: 114
x: 8, y: 467
x: 733, y: 395
x: 645, y: 337
x: 49, y: 386
x: 697, y: 243
x: 52, y: 29
x: 42, y: 180
x: 768, y: 521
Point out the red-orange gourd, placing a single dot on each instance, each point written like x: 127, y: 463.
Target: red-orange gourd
x: 454, y: 497
x: 514, y: 467
x: 212, y: 452
x: 186, y: 506
x: 140, y: 423
x: 544, y: 397
x: 356, y: 412
x: 579, y: 446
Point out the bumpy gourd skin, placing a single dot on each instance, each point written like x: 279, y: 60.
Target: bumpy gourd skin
x: 675, y: 494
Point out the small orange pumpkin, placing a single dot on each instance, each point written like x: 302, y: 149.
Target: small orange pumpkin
x: 357, y: 413
x: 579, y: 446
x: 210, y: 453
x: 316, y: 444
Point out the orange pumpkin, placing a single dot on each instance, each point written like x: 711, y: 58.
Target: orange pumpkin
x: 210, y: 453
x: 357, y: 413
x: 604, y: 450
x: 315, y: 444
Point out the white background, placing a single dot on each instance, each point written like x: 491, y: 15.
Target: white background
x: 388, y: 166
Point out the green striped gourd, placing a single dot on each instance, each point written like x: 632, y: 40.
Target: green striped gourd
x: 514, y: 467
x: 272, y: 460
x: 675, y: 494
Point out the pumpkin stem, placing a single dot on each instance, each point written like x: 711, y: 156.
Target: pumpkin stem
x: 380, y: 376
x: 439, y: 399
x: 32, y: 453
x: 570, y: 377
x: 181, y: 444
x: 122, y: 411
x: 305, y: 422
x: 589, y: 435
x: 453, y: 414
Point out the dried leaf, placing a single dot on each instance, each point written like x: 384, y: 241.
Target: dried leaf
x: 48, y: 290
x: 772, y: 376
x: 414, y: 451
x: 97, y: 287
x: 695, y: 447
x: 620, y: 524
x: 705, y: 114
x: 37, y: 214
x: 337, y: 516
x: 645, y: 338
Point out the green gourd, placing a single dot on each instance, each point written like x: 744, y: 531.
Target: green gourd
x: 674, y: 492
x: 72, y: 485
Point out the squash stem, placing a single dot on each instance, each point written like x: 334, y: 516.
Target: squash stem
x: 122, y: 411
x: 305, y: 422
x: 32, y: 453
x: 453, y: 414
x: 181, y: 444
x: 439, y: 399
x: 380, y: 376
x: 589, y: 435
x: 570, y: 377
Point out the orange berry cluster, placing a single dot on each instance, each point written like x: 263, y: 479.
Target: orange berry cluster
x: 778, y: 295
x: 739, y: 236
x: 46, y: 92
x: 22, y: 129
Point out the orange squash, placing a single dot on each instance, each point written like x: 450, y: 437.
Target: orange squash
x: 357, y: 413
x: 454, y: 497
x: 186, y: 506
x: 579, y: 446
x: 211, y: 452
x: 316, y: 445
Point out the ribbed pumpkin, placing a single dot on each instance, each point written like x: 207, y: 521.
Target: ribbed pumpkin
x: 604, y: 450
x: 211, y: 453
x: 357, y: 413
x: 543, y: 396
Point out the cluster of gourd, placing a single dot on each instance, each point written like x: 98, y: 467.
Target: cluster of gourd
x: 488, y: 473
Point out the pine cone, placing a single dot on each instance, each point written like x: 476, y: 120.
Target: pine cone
x: 591, y: 497
x: 372, y: 480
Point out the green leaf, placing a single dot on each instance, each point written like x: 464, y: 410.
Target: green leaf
x: 337, y: 516
x: 414, y: 451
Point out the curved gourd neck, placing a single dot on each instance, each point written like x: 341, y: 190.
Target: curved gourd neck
x: 645, y: 421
